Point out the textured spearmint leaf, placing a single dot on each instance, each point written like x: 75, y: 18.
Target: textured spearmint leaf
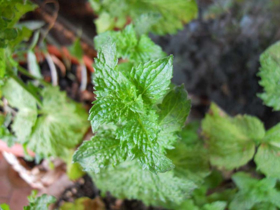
x: 101, y: 151
x: 60, y: 127
x: 190, y: 159
x: 152, y: 79
x: 26, y: 104
x: 270, y: 76
x: 253, y: 192
x: 43, y: 202
x: 129, y: 180
x: 167, y: 16
x: 128, y: 101
x: 267, y: 157
x: 231, y: 141
x: 174, y: 110
x: 130, y: 46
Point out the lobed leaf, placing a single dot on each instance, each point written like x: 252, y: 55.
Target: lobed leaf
x: 129, y: 180
x: 60, y: 125
x: 270, y: 76
x: 268, y: 154
x: 253, y: 192
x: 231, y: 141
x: 130, y: 46
x: 163, y: 16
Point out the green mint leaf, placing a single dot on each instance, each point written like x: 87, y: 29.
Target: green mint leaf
x: 33, y: 66
x: 129, y: 180
x: 42, y: 202
x: 173, y: 112
x: 190, y: 159
x: 101, y: 151
x: 270, y: 76
x: 231, y: 141
x: 267, y: 157
x: 253, y: 192
x: 162, y: 16
x: 130, y: 46
x: 152, y: 79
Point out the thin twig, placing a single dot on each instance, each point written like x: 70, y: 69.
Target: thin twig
x: 52, y: 69
x: 84, y: 77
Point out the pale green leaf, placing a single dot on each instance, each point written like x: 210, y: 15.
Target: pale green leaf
x: 218, y: 205
x: 231, y: 141
x: 167, y: 16
x: 268, y: 154
x: 4, y: 206
x: 104, y: 23
x: 27, y: 109
x: 253, y: 192
x: 130, y: 46
x: 174, y: 110
x: 33, y: 65
x: 270, y: 76
x: 129, y: 180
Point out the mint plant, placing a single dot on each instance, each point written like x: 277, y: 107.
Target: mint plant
x: 157, y: 16
x: 134, y: 110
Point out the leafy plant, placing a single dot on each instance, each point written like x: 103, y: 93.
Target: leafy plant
x: 270, y: 76
x: 10, y: 35
x: 41, y: 202
x: 160, y: 16
x: 142, y: 113
x: 52, y: 126
x: 231, y: 141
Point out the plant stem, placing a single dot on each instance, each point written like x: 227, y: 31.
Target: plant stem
x: 26, y: 73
